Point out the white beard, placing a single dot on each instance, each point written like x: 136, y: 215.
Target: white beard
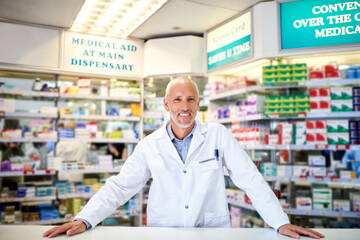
x: 181, y: 125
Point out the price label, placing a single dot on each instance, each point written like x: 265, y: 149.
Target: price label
x: 323, y: 213
x: 321, y: 146
x: 342, y: 147
x: 301, y: 115
x: 340, y: 214
x: 307, y: 212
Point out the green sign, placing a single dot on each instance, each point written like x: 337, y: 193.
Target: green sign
x: 314, y: 23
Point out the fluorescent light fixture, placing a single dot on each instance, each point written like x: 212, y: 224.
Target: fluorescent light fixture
x: 116, y: 18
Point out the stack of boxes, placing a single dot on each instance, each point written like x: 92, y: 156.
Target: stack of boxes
x: 316, y: 132
x: 268, y: 169
x: 320, y: 100
x: 342, y: 99
x: 284, y: 74
x: 287, y: 105
x: 322, y: 199
x: 338, y: 132
x: 285, y: 133
x: 317, y: 164
x: 356, y: 98
x: 299, y: 133
x: 83, y: 84
x: 105, y: 162
x: 249, y: 135
x: 354, y: 132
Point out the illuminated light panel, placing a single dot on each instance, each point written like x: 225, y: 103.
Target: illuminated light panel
x: 116, y: 18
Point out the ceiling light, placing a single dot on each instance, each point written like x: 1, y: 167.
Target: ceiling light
x: 116, y: 18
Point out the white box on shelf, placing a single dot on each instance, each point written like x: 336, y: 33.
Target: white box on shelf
x: 347, y: 174
x: 323, y: 205
x: 304, y: 203
x: 124, y: 112
x: 316, y: 160
x: 7, y: 105
x: 284, y: 171
x: 104, y: 89
x: 317, y: 171
x: 301, y: 171
x: 48, y: 110
x: 341, y: 205
x: 322, y: 193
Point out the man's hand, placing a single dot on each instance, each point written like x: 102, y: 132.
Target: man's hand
x: 71, y: 228
x: 295, y: 231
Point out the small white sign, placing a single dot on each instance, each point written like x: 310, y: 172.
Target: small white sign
x: 103, y: 55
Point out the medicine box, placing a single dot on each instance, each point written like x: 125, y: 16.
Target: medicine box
x: 323, y: 205
x: 316, y: 161
x: 284, y: 171
x: 322, y: 194
x: 301, y: 171
x: 317, y: 171
x: 341, y: 205
x: 7, y: 105
x: 304, y: 203
x: 268, y: 169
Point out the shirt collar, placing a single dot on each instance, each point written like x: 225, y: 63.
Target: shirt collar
x: 171, y: 134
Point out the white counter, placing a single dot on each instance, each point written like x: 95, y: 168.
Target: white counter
x: 13, y: 232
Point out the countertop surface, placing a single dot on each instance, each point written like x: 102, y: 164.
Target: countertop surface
x: 16, y: 232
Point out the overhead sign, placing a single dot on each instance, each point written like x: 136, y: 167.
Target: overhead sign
x: 230, y: 42
x: 314, y: 23
x: 102, y: 55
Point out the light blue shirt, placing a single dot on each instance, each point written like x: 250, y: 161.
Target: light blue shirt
x: 181, y: 146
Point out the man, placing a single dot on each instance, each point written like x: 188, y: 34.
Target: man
x: 185, y: 161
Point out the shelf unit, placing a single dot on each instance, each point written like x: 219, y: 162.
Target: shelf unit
x: 224, y: 98
x: 57, y: 100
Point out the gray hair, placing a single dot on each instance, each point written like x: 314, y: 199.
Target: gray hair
x: 173, y: 81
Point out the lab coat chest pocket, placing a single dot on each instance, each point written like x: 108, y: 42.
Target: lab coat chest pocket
x: 207, y: 174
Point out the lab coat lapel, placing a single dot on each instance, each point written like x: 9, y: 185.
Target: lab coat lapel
x: 197, y: 139
x: 165, y: 146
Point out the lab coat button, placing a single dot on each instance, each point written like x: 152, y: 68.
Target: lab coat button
x: 186, y: 206
x: 184, y: 171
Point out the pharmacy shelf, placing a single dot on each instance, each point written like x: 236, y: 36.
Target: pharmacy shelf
x: 355, y: 182
x: 21, y: 174
x: 299, y: 147
x: 25, y: 199
x: 76, y: 195
x: 325, y: 115
x: 28, y: 139
x: 323, y: 213
x: 320, y: 213
x: 30, y: 93
x: 135, y: 98
x: 243, y: 205
x: 45, y: 222
x: 101, y: 140
x: 99, y: 118
x: 89, y: 171
x: 17, y: 115
x: 232, y: 94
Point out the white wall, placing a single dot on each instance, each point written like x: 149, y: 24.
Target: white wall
x: 174, y: 55
x: 27, y: 45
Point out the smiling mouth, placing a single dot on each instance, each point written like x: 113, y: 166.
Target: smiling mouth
x: 184, y: 114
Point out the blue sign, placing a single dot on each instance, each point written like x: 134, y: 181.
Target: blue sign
x: 314, y: 23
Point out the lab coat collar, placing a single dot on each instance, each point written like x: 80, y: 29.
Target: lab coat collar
x: 164, y: 141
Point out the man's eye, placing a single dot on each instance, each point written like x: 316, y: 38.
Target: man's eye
x: 191, y: 99
x: 177, y: 99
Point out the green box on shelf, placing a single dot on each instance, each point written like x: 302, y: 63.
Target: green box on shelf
x: 287, y: 110
x: 302, y: 109
x: 302, y: 98
x: 284, y: 74
x: 272, y: 104
x: 302, y: 104
x: 288, y: 104
x: 270, y: 74
x: 285, y: 79
x: 269, y: 80
x: 269, y: 68
x: 284, y: 67
x: 299, y: 79
x: 272, y: 99
x: 299, y: 66
x: 287, y: 98
x: 272, y: 110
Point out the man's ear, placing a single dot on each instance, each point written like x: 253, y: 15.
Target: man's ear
x: 166, y: 104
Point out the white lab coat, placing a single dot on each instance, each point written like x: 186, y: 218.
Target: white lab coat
x: 190, y: 194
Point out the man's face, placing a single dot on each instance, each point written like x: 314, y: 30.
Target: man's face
x: 183, y: 103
